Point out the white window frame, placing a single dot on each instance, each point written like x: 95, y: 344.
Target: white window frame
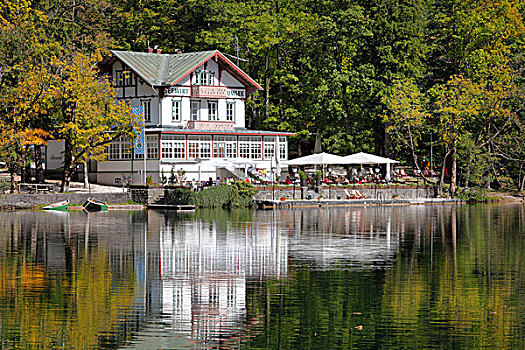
x: 195, y: 112
x: 173, y: 146
x: 199, y: 146
x: 152, y: 146
x: 176, y: 110
x: 230, y: 111
x: 213, y: 116
x: 250, y: 147
x: 146, y: 105
x: 283, y: 149
x: 204, y: 77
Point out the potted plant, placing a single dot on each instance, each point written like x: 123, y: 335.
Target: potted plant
x: 302, y: 177
x: 318, y: 175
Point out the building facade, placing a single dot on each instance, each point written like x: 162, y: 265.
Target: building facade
x: 194, y: 111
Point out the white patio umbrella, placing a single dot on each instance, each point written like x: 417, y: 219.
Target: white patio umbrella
x: 322, y: 159
x: 318, y: 159
x: 366, y: 158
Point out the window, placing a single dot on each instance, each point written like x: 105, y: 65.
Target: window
x: 123, y: 78
x: 146, y: 104
x: 204, y: 77
x: 195, y: 109
x: 119, y: 79
x: 173, y: 147
x: 125, y: 148
x: 212, y: 110
x: 152, y: 146
x: 114, y: 150
x: 119, y: 149
x: 269, y: 150
x: 128, y: 78
x: 225, y: 146
x: 230, y: 111
x: 199, y: 146
x: 176, y: 111
x: 282, y: 147
x: 219, y: 149
x: 250, y: 147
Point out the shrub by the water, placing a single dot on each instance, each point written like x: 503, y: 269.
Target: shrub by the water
x: 182, y: 196
x: 213, y: 197
x: 238, y: 195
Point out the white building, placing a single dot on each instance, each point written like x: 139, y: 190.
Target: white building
x: 194, y: 108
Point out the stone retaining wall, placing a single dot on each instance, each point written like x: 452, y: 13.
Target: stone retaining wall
x: 325, y: 192
x: 29, y: 201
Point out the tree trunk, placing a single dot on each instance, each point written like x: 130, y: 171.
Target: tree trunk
x: 25, y: 173
x: 39, y: 164
x: 453, y: 175
x: 68, y: 165
x: 86, y: 178
x: 12, y: 173
x: 442, y: 178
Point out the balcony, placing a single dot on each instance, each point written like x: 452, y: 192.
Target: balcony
x: 210, y: 125
x: 204, y: 91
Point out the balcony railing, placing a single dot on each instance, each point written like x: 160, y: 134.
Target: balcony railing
x: 210, y: 125
x: 204, y: 91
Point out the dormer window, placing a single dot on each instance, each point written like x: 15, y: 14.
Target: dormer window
x: 123, y: 78
x: 204, y: 77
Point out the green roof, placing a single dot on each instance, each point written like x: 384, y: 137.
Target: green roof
x: 168, y: 69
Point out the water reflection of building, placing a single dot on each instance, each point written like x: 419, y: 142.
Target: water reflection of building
x: 204, y: 272
x: 346, y: 237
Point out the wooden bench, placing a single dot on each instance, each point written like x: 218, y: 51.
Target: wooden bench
x: 35, y: 188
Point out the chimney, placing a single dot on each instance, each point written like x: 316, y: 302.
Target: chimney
x: 159, y: 50
x: 149, y: 50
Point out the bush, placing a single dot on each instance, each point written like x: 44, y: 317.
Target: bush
x: 241, y: 195
x: 5, y: 185
x: 472, y: 195
x: 238, y: 195
x: 214, y: 197
x: 181, y: 195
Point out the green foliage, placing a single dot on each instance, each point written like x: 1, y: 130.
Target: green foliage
x: 149, y: 180
x: 163, y: 178
x: 238, y: 195
x: 473, y: 195
x: 182, y: 196
x: 241, y: 195
x: 302, y: 175
x: 214, y: 197
x: 4, y: 185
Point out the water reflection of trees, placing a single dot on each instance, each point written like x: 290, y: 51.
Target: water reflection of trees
x: 56, y: 291
x: 456, y: 281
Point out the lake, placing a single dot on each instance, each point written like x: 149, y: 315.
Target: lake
x: 403, y: 277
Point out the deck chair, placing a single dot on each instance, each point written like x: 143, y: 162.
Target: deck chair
x: 350, y: 195
x: 358, y: 194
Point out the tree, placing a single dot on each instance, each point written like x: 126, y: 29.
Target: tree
x: 407, y: 119
x: 89, y: 116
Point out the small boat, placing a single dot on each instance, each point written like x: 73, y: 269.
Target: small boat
x: 93, y: 204
x: 58, y: 206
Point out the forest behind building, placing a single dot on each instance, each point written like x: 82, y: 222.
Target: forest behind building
x: 402, y: 79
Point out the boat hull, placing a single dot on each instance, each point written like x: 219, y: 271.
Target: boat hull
x: 61, y: 206
x: 95, y: 205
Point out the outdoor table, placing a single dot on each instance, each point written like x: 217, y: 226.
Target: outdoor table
x: 35, y: 188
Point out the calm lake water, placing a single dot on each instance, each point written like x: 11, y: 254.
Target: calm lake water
x: 407, y: 277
